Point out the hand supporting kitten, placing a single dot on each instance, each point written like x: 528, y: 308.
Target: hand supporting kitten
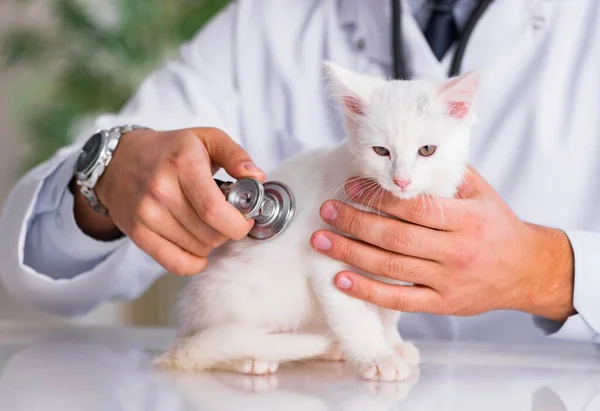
x: 469, y: 255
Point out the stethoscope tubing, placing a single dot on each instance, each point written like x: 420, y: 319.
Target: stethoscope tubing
x: 400, y: 69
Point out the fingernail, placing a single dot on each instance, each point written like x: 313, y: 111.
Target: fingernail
x: 343, y: 282
x: 250, y: 166
x: 321, y: 242
x: 329, y: 212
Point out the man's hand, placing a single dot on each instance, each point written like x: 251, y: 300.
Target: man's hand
x: 159, y: 191
x: 466, y: 256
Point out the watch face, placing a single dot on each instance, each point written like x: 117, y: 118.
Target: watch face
x: 90, y: 153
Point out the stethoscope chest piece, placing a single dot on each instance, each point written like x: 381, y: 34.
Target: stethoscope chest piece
x: 270, y: 205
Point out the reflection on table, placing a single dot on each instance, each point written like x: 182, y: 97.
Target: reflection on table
x: 65, y: 373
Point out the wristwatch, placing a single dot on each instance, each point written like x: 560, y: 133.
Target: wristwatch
x: 93, y: 159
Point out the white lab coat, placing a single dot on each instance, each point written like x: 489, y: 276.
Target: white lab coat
x: 255, y: 71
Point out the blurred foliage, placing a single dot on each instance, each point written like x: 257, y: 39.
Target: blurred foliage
x: 92, y: 60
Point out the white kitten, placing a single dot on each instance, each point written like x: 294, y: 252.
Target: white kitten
x: 263, y: 303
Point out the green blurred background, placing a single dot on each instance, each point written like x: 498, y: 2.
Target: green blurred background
x: 91, y: 60
x: 63, y: 62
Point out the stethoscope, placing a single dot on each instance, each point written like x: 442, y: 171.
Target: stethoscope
x: 272, y: 204
x: 400, y: 69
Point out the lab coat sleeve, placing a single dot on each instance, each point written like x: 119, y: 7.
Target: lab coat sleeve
x: 585, y: 325
x: 47, y: 261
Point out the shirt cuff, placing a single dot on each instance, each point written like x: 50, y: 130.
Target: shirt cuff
x: 55, y: 245
x: 74, y: 242
x: 585, y: 325
x: 574, y: 329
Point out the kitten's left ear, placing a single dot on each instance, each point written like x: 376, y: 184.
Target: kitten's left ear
x: 458, y: 94
x: 354, y: 89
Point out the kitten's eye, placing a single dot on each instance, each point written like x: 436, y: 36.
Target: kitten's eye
x: 381, y: 151
x: 427, y: 151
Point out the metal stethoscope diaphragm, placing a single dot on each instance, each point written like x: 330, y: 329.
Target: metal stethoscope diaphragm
x: 271, y: 205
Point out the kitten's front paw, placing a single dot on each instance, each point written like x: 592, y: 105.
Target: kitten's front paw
x: 250, y: 366
x: 409, y: 352
x: 386, y: 368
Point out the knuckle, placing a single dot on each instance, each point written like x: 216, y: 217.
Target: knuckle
x: 189, y: 134
x: 209, y: 209
x: 213, y: 132
x: 351, y: 219
x: 463, y: 259
x: 147, y: 211
x: 368, y: 293
x: 390, y: 266
x: 399, y: 304
x: 348, y: 254
x: 396, y: 236
x: 159, y: 186
x: 179, y: 162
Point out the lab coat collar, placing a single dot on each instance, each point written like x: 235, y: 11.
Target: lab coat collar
x: 506, y: 24
x: 369, y: 25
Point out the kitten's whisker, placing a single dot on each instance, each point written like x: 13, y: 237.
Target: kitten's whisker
x: 375, y: 188
x: 441, y: 207
x: 364, y: 189
x: 430, y: 198
x: 381, y: 193
x: 343, y: 187
x: 422, y: 198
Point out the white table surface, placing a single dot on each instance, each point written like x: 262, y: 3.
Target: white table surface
x: 110, y: 370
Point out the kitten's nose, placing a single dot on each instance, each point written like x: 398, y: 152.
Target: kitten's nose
x: 402, y: 183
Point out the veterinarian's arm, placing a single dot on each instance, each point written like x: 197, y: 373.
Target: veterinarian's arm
x: 52, y: 262
x: 585, y: 325
x: 476, y: 257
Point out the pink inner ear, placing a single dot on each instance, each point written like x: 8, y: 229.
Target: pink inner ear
x: 458, y: 94
x: 458, y: 109
x: 354, y: 106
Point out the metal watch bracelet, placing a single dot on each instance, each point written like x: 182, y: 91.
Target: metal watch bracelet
x: 87, y: 183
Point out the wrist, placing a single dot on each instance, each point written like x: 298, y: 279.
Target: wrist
x: 89, y: 221
x: 552, y: 272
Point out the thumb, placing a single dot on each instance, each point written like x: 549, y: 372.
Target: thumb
x: 226, y: 153
x: 473, y: 185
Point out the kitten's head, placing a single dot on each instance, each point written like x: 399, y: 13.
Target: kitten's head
x: 412, y: 137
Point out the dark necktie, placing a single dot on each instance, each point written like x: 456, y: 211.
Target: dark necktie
x: 441, y: 30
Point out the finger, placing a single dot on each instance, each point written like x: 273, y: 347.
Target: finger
x: 427, y: 211
x: 403, y: 298
x: 225, y: 152
x: 171, y: 230
x: 209, y: 203
x: 387, y: 233
x: 375, y: 260
x: 183, y: 211
x: 171, y: 257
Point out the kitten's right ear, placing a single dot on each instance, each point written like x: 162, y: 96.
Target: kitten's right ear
x: 458, y: 94
x: 353, y: 89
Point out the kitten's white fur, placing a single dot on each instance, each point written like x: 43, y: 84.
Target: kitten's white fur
x: 263, y: 303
